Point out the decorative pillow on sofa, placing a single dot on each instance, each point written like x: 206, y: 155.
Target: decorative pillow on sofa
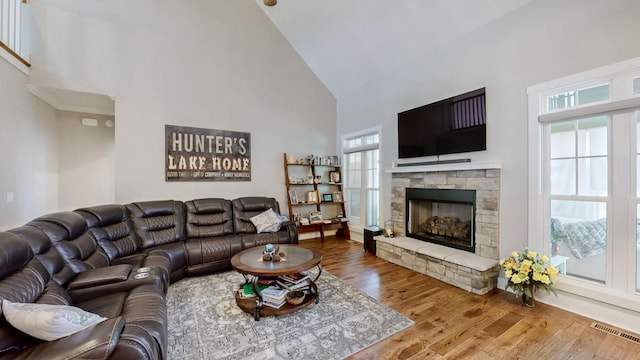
x: 48, y: 322
x: 268, y: 221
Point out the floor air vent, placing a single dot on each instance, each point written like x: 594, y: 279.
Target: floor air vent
x: 608, y: 329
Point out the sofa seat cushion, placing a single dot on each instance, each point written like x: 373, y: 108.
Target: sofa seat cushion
x: 211, y: 254
x: 48, y: 322
x: 253, y: 240
x: 204, y: 250
x: 109, y: 306
x: 96, y: 342
x: 13, y: 339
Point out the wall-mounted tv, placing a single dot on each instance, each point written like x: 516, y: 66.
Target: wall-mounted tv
x: 450, y: 126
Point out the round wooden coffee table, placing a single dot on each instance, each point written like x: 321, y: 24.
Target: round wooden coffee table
x: 298, y: 259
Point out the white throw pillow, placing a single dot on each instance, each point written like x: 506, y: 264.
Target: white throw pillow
x: 267, y: 221
x: 48, y: 322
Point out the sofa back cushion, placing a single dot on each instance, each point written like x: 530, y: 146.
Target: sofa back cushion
x: 69, y: 233
x: 46, y: 253
x: 247, y: 207
x: 113, y: 229
x: 23, y: 279
x: 158, y: 222
x: 208, y: 218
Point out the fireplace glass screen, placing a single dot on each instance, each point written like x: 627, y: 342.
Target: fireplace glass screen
x: 443, y: 221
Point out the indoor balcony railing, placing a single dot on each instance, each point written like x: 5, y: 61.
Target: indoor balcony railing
x: 12, y: 20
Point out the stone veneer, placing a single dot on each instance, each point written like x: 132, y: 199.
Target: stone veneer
x: 456, y: 267
x: 474, y: 272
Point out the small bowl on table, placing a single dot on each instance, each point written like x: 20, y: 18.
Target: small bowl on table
x: 295, y: 297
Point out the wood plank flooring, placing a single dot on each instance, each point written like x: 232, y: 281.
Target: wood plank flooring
x: 451, y: 323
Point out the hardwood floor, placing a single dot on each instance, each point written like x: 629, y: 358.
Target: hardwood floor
x: 451, y: 323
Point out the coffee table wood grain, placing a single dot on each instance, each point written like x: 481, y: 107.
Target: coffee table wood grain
x: 298, y: 259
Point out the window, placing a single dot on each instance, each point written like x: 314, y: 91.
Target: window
x: 578, y: 97
x: 362, y: 178
x: 12, y: 20
x: 577, y: 192
x: 585, y: 183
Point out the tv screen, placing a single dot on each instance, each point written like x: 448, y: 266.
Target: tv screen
x: 450, y: 126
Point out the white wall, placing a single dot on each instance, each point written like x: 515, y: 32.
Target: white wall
x: 539, y: 42
x: 86, y: 161
x: 201, y: 63
x: 28, y: 151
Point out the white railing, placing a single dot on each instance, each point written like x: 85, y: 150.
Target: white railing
x: 11, y: 28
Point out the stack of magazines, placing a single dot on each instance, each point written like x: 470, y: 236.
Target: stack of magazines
x: 274, y: 296
x: 299, y: 281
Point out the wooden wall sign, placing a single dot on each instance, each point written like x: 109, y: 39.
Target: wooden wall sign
x: 195, y: 154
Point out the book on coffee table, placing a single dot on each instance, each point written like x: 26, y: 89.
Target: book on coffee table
x: 247, y: 290
x: 274, y: 293
x: 294, y: 286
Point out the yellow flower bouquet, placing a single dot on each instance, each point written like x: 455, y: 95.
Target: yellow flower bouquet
x: 527, y: 271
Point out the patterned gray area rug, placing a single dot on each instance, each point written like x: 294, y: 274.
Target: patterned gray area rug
x: 205, y: 322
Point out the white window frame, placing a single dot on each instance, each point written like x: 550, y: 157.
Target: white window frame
x: 363, y: 189
x: 619, y: 291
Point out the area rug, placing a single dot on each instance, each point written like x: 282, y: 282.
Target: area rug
x: 205, y: 323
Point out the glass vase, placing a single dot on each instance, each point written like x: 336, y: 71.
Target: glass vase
x: 529, y: 296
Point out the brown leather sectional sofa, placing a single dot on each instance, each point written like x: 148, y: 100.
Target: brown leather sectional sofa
x: 91, y: 259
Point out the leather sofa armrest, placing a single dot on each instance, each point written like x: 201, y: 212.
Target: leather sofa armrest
x: 153, y: 277
x: 292, y: 231
x: 101, y: 276
x: 96, y: 342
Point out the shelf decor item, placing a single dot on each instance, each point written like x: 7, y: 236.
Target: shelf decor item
x: 315, y: 217
x: 527, y: 271
x: 327, y: 197
x: 312, y: 197
x: 337, y: 196
x: 334, y: 177
x: 293, y: 197
x: 272, y: 253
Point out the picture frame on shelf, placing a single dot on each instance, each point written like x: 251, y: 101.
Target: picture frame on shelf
x: 312, y: 197
x: 334, y: 177
x: 315, y: 217
x: 293, y: 197
x: 337, y: 196
x: 327, y: 197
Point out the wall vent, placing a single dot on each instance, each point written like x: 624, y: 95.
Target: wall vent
x: 608, y: 329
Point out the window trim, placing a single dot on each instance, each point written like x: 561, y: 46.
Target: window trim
x: 377, y: 130
x: 538, y: 232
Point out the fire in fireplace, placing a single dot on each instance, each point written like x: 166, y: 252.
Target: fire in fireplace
x: 442, y: 216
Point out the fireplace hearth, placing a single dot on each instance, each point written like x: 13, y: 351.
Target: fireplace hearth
x: 441, y: 216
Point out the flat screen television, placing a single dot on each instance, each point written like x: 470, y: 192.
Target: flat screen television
x: 450, y: 126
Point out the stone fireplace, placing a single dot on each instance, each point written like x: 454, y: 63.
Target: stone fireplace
x: 485, y: 183
x: 441, y: 216
x: 451, y: 235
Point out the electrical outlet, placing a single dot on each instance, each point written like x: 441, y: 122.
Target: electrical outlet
x: 10, y: 197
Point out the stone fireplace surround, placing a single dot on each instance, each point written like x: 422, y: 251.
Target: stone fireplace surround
x: 477, y: 272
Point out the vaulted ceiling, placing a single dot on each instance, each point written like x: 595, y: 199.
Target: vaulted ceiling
x: 346, y: 43
x: 350, y: 42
